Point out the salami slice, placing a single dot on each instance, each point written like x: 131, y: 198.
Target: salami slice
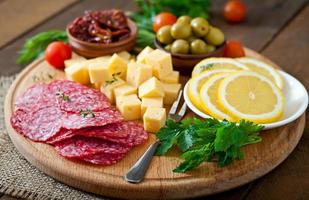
x: 99, y: 118
x: 35, y: 98
x: 103, y: 158
x: 38, y: 125
x: 80, y: 147
x: 78, y: 97
x: 126, y: 133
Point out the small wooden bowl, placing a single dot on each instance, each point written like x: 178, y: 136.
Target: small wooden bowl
x: 186, y: 62
x: 92, y: 50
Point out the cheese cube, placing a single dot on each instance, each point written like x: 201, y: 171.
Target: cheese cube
x: 125, y: 55
x: 125, y: 89
x: 171, y: 92
x: 98, y: 72
x: 129, y: 106
x: 77, y: 59
x: 161, y: 63
x: 142, y: 55
x: 108, y: 88
x: 153, y: 102
x: 154, y: 119
x: 172, y: 77
x: 117, y: 65
x: 151, y: 88
x: 78, y: 72
x: 138, y: 73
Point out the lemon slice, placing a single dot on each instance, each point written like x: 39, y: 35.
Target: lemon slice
x: 209, y: 97
x: 195, y: 84
x: 210, y: 64
x: 264, y: 69
x: 251, y: 96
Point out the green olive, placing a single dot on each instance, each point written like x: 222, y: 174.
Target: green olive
x: 200, y: 26
x: 211, y: 48
x: 184, y: 20
x: 168, y: 47
x: 191, y: 38
x: 180, y: 46
x: 164, y: 35
x: 215, y: 36
x: 181, y: 31
x: 198, y: 46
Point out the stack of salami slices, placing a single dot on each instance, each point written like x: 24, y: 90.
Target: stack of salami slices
x: 77, y: 120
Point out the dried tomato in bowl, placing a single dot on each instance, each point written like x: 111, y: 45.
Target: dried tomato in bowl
x: 105, y: 26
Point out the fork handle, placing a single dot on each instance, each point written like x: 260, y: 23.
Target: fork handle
x: 137, y: 172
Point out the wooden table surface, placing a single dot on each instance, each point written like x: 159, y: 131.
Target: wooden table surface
x: 279, y: 29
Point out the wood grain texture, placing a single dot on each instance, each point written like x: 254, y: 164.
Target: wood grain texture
x: 263, y: 21
x: 160, y: 182
x: 18, y: 16
x: 291, y: 179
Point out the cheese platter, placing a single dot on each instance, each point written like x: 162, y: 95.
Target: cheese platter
x: 86, y: 117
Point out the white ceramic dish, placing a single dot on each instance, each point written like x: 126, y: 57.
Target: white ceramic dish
x: 296, y: 97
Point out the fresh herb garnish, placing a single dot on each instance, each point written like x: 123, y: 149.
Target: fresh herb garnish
x: 114, y: 79
x: 87, y: 112
x: 208, y: 66
x: 206, y: 140
x: 63, y: 96
x: 36, y: 45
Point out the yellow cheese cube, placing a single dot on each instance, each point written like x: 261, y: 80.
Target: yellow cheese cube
x: 151, y: 88
x: 161, y: 63
x: 108, y: 88
x: 125, y: 89
x: 125, y: 55
x: 98, y: 72
x: 117, y: 65
x: 142, y: 55
x: 78, y: 72
x: 129, y: 106
x: 154, y: 119
x: 77, y: 59
x: 153, y: 102
x: 172, y: 77
x: 171, y: 92
x: 138, y: 73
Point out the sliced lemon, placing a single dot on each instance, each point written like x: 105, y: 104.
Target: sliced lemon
x: 209, y: 64
x: 209, y: 97
x: 195, y: 85
x: 251, y: 96
x: 264, y: 69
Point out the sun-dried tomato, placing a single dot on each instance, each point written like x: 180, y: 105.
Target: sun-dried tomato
x: 105, y: 26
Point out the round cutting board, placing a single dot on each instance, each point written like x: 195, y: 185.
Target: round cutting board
x: 160, y: 182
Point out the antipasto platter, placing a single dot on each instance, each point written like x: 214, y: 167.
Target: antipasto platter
x: 88, y: 111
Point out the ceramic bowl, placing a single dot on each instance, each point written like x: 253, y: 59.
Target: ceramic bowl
x: 92, y: 50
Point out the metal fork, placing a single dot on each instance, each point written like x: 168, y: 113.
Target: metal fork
x: 137, y: 172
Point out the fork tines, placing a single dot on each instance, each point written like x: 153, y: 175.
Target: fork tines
x: 178, y: 116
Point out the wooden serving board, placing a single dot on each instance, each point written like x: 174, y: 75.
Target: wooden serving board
x: 160, y: 182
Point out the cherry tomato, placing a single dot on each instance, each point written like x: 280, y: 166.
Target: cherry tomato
x: 234, y: 11
x: 56, y: 53
x: 233, y: 49
x: 163, y: 19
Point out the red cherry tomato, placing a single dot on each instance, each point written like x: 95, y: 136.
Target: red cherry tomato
x: 234, y: 11
x: 163, y: 19
x: 233, y: 49
x: 56, y: 53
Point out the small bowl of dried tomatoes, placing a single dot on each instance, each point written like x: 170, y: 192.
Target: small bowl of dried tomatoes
x: 100, y: 33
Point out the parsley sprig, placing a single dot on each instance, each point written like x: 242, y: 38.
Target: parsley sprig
x: 114, y: 79
x: 63, y: 96
x: 207, y: 140
x: 87, y: 112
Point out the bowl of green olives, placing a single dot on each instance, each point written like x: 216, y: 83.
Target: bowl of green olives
x: 189, y: 41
